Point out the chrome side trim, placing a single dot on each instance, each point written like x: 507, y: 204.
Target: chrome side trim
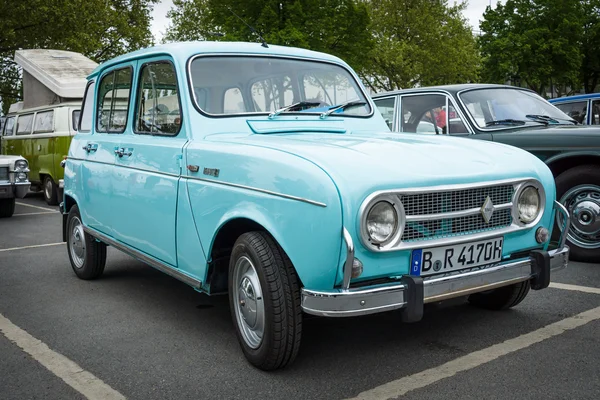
x: 567, y: 223
x: 183, y: 277
x: 255, y: 189
x: 349, y: 259
x: 375, y: 299
x: 455, y: 214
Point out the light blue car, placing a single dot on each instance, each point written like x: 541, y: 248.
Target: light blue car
x: 267, y: 173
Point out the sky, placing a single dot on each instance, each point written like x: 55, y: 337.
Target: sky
x: 160, y: 22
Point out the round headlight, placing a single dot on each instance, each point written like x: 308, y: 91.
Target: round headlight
x: 21, y: 176
x: 21, y: 164
x: 382, y: 222
x: 529, y: 204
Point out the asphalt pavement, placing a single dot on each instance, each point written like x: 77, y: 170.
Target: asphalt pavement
x: 145, y: 335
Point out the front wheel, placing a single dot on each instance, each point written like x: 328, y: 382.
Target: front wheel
x: 50, y: 191
x: 501, y: 298
x: 87, y: 255
x: 264, y: 297
x: 7, y: 207
x: 578, y: 189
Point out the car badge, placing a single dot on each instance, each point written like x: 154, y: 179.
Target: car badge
x: 487, y: 209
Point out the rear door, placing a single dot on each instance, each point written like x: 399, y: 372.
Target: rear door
x: 148, y: 163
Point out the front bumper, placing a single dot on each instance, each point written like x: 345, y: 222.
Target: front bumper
x: 411, y: 293
x: 8, y: 190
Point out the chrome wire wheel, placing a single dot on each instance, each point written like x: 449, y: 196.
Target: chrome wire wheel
x: 249, y: 307
x: 583, y: 203
x: 77, y: 242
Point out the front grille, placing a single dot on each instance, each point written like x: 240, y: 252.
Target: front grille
x: 456, y: 200
x: 424, y: 204
x: 3, y: 173
x: 440, y: 228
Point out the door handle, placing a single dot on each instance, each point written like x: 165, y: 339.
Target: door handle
x: 90, y: 147
x: 123, y: 152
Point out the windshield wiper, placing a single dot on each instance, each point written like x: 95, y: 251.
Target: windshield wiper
x: 343, y: 106
x: 548, y: 119
x: 507, y: 121
x: 301, y: 105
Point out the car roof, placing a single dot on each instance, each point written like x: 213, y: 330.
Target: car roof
x: 453, y: 89
x: 185, y: 50
x: 576, y: 97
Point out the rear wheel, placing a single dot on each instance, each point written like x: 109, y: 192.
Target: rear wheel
x: 501, y: 298
x: 50, y: 191
x: 264, y: 297
x: 87, y: 255
x: 7, y: 207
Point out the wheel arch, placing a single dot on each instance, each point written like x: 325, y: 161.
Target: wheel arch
x: 70, y: 201
x: 564, y: 162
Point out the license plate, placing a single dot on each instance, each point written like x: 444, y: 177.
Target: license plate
x: 439, y: 260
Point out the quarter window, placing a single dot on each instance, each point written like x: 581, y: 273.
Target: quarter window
x: 113, y: 101
x: 158, y: 109
x: 44, y: 122
x: 9, y: 125
x: 387, y: 108
x: 596, y: 112
x: 86, y: 113
x: 576, y: 110
x: 24, y: 123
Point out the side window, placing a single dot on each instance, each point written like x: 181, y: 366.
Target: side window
x: 157, y: 110
x: 85, y: 123
x: 423, y: 113
x: 455, y: 123
x: 387, y: 108
x: 113, y: 101
x: 272, y: 93
x: 9, y: 125
x: 576, y: 110
x: 44, y: 122
x: 75, y: 119
x: 233, y: 101
x: 595, y: 112
x: 24, y: 123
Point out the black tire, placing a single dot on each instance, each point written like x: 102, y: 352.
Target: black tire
x: 50, y: 191
x: 280, y: 290
x: 7, y: 207
x: 582, y: 175
x: 89, y: 262
x: 501, y: 298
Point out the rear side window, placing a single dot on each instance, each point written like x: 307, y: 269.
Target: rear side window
x: 577, y: 110
x: 44, y: 122
x: 24, y: 123
x: 85, y: 123
x: 9, y: 124
x: 113, y: 101
x: 158, y: 109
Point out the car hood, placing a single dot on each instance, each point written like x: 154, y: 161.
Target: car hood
x: 364, y: 162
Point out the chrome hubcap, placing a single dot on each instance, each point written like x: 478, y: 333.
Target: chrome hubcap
x: 77, y: 242
x: 249, y: 307
x: 48, y: 188
x: 583, y: 203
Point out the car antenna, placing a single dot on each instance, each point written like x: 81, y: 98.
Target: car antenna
x: 264, y: 42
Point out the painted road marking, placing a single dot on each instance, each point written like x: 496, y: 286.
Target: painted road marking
x: 577, y: 288
x: 430, y: 376
x: 41, y: 208
x: 72, y: 374
x: 32, y: 246
x: 34, y: 213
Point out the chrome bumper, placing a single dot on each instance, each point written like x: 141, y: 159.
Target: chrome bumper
x: 348, y: 302
x: 8, y: 190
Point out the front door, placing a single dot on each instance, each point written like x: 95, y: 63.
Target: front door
x: 148, y: 163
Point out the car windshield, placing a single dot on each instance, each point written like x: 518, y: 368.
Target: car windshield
x: 504, y: 107
x: 230, y: 85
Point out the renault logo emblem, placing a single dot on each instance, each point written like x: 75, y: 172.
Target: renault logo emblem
x: 487, y: 209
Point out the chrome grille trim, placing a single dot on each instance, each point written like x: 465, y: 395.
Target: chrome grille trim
x: 460, y: 219
x: 4, y: 174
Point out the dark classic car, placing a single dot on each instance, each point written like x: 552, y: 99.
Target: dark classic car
x: 517, y: 117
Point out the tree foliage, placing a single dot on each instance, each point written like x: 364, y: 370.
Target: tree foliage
x: 420, y: 42
x: 542, y: 44
x: 100, y: 29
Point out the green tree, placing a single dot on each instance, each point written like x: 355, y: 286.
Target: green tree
x: 533, y: 42
x: 99, y: 29
x: 590, y: 66
x: 419, y: 42
x: 338, y: 27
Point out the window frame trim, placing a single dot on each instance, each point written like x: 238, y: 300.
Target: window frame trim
x: 113, y: 71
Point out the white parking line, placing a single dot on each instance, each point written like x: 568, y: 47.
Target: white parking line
x: 72, y: 374
x: 32, y: 246
x: 41, y: 208
x: 425, y: 378
x: 34, y: 213
x: 577, y: 288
